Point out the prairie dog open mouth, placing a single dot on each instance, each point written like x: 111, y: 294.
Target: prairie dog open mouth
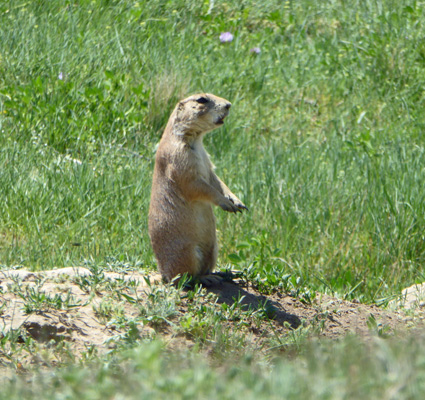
x: 220, y: 120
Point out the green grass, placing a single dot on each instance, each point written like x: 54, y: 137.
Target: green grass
x: 324, y: 143
x: 342, y: 370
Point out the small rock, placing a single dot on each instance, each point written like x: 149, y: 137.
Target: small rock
x: 412, y: 297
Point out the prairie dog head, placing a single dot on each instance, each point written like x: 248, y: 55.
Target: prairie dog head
x: 199, y: 114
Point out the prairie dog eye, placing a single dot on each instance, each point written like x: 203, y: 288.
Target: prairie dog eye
x: 202, y: 100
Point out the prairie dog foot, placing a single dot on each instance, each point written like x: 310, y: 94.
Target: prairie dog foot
x: 211, y: 279
x: 218, y: 277
x: 189, y: 282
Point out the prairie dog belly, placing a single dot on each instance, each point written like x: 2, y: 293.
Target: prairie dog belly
x: 203, y: 163
x: 203, y: 222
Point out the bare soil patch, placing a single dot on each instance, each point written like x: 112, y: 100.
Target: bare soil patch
x: 84, y: 311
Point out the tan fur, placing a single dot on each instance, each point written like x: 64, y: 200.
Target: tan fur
x: 184, y: 188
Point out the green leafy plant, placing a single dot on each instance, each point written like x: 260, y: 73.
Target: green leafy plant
x: 379, y: 329
x: 37, y: 301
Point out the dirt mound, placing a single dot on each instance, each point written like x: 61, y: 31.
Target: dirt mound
x: 102, y: 310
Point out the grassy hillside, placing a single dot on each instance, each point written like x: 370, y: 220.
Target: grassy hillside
x: 324, y: 142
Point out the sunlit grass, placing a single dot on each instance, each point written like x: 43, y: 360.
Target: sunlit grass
x: 347, y: 369
x: 324, y: 142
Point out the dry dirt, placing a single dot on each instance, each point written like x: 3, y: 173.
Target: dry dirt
x: 78, y: 314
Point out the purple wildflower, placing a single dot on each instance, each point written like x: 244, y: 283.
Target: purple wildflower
x: 226, y: 37
x: 255, y: 50
x: 60, y: 76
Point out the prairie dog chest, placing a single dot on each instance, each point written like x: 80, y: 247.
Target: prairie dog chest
x: 201, y: 160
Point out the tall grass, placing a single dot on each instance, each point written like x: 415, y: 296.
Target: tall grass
x: 324, y: 142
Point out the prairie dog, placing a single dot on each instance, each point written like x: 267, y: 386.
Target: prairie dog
x: 184, y: 188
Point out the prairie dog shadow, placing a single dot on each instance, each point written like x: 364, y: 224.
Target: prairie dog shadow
x: 231, y: 292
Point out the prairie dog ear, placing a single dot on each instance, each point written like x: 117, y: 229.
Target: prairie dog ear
x: 202, y: 99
